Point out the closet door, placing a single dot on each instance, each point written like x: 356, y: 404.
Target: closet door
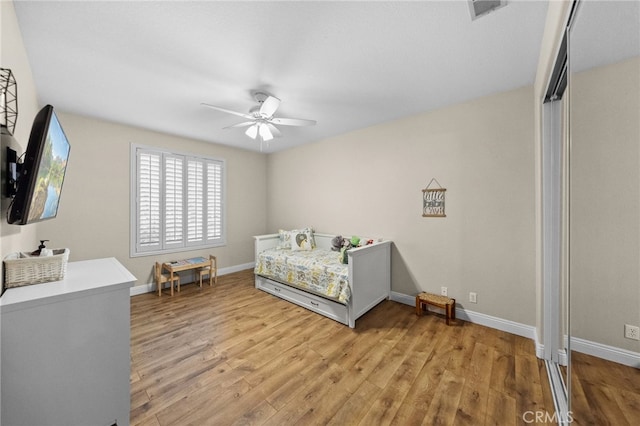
x: 604, y: 197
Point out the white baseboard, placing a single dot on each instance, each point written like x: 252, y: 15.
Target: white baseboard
x: 610, y: 353
x: 477, y: 318
x: 562, y: 354
x: 150, y: 287
x: 142, y: 289
x: 403, y: 298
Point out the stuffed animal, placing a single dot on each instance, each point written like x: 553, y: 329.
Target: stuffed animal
x: 336, y: 243
x: 342, y: 245
x: 344, y: 257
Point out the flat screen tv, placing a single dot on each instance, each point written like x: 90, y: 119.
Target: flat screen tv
x: 40, y: 177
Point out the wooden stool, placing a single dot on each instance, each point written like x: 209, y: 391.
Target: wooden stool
x: 442, y: 302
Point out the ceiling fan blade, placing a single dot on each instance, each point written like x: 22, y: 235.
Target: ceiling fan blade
x: 243, y: 124
x: 228, y: 111
x: 269, y: 106
x: 292, y: 121
x: 274, y: 130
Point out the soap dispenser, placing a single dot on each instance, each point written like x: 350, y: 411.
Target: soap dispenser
x: 40, y: 247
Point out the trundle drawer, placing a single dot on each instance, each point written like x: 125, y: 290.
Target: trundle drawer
x: 328, y: 308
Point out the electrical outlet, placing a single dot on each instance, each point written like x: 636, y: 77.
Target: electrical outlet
x: 443, y: 291
x: 631, y: 332
x: 473, y: 297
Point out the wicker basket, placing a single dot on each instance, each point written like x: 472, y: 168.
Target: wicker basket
x: 23, y: 269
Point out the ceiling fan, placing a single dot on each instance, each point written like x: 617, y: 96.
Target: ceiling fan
x: 261, y: 122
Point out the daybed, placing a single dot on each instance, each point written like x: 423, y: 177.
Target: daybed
x: 323, y: 284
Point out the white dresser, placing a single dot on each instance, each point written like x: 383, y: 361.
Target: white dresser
x: 65, y: 348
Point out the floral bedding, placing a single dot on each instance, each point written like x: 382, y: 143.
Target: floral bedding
x: 317, y: 270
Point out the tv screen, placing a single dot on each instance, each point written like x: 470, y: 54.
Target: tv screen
x: 42, y: 173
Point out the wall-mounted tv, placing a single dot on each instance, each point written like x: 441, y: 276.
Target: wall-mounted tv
x: 40, y: 177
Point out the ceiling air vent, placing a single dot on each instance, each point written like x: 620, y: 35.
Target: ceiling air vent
x: 480, y: 8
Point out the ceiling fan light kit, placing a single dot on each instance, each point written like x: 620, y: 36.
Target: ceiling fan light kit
x: 262, y: 123
x: 252, y: 131
x: 264, y: 132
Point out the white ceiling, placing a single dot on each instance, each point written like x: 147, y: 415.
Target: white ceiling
x: 604, y: 32
x: 346, y: 64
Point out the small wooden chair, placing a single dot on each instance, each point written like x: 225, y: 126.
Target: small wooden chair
x: 162, y: 278
x: 442, y: 302
x: 211, y: 271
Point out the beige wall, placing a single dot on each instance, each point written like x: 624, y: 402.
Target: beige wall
x: 369, y: 183
x: 382, y: 179
x: 93, y: 219
x: 14, y: 57
x: 605, y: 203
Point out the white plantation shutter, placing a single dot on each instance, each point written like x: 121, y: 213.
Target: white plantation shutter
x: 178, y: 201
x: 148, y: 212
x: 195, y: 201
x: 214, y: 201
x: 173, y: 203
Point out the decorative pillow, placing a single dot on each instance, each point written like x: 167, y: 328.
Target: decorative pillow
x: 285, y: 242
x: 301, y: 239
x: 313, y: 238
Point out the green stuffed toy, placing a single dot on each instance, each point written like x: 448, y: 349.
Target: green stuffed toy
x: 344, y: 257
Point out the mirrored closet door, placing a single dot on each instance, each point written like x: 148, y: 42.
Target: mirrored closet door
x: 604, y: 212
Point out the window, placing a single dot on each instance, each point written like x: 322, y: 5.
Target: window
x: 177, y: 201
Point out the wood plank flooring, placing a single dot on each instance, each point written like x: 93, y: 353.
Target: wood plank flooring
x: 604, y: 392
x: 232, y: 354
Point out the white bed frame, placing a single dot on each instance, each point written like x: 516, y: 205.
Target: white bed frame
x: 369, y: 279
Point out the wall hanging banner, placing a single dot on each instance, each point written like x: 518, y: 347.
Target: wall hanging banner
x: 433, y: 200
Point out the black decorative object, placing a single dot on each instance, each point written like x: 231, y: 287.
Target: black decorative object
x: 8, y: 100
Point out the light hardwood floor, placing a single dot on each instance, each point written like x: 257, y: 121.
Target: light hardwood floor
x: 232, y: 354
